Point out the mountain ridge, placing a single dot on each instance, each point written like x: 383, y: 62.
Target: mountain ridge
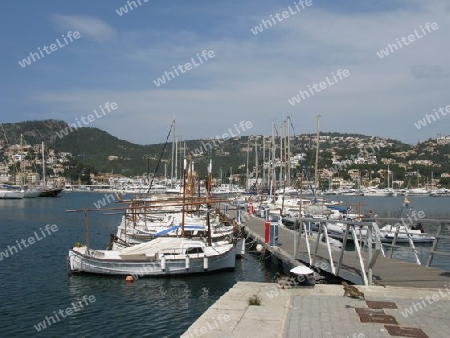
x: 103, y: 152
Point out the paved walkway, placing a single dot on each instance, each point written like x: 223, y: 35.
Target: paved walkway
x: 321, y: 311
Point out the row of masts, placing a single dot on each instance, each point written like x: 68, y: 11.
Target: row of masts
x: 276, y: 152
x: 281, y: 152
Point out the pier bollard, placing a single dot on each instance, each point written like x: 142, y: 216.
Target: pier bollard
x: 267, y: 232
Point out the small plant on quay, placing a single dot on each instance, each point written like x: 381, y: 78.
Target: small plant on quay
x: 254, y: 300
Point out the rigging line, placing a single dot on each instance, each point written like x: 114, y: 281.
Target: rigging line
x: 160, y: 157
x: 4, y: 133
x: 292, y: 126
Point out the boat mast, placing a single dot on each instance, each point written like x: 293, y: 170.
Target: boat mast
x: 176, y: 159
x: 264, y: 163
x: 273, y: 157
x: 256, y: 164
x: 208, y: 206
x: 388, y: 176
x: 247, y: 172
x: 289, y: 150
x: 281, y: 177
x: 316, y: 167
x: 43, y: 165
x: 173, y: 156
x: 184, y: 198
x: 231, y: 178
x: 22, y: 166
x: 283, y: 164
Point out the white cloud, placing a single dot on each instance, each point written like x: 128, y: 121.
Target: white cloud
x: 252, y: 77
x: 92, y: 27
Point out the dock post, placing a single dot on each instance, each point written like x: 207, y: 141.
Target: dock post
x: 267, y: 232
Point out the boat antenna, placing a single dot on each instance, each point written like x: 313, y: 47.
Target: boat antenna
x: 160, y: 157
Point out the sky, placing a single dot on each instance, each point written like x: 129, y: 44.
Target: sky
x: 245, y: 77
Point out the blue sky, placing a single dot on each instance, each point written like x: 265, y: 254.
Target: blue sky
x: 251, y: 77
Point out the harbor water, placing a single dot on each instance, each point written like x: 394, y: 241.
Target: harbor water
x: 36, y: 284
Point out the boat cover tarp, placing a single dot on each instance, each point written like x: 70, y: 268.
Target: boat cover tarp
x: 151, y: 248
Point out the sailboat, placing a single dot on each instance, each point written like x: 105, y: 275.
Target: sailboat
x: 162, y: 256
x: 47, y: 191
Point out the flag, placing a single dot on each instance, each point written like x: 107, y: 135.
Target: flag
x: 407, y: 202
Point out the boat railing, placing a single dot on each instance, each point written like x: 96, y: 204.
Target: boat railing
x: 436, y: 230
x: 369, y: 239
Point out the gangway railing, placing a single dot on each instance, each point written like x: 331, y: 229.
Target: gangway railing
x: 364, y: 234
x: 435, y: 231
x: 368, y: 237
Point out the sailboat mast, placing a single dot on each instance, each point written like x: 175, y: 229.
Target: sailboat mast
x: 256, y: 165
x: 184, y: 198
x: 247, y: 172
x: 273, y: 181
x: 176, y: 159
x: 316, y: 166
x: 43, y: 164
x: 281, y: 156
x: 22, y: 166
x: 264, y: 162
x: 289, y: 150
x: 388, y: 176
x: 208, y: 208
x: 172, y: 167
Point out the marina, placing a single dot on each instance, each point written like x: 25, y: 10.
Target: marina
x: 181, y: 293
x: 258, y: 195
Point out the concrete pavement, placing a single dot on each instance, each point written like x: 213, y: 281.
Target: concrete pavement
x: 321, y: 311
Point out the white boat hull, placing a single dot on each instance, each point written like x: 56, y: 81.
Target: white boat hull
x: 94, y: 263
x: 8, y: 194
x: 403, y: 238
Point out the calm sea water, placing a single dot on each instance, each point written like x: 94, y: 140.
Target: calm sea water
x: 35, y: 283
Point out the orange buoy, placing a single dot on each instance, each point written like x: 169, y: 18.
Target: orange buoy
x: 130, y: 279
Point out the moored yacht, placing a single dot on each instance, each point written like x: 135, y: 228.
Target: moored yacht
x: 8, y: 191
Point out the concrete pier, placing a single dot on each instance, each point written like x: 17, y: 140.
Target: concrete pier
x: 322, y: 311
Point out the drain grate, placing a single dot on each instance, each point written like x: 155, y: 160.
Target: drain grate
x: 405, y: 331
x: 360, y: 310
x: 380, y: 305
x: 377, y: 318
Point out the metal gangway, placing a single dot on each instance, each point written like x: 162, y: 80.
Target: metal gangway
x: 374, y: 260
